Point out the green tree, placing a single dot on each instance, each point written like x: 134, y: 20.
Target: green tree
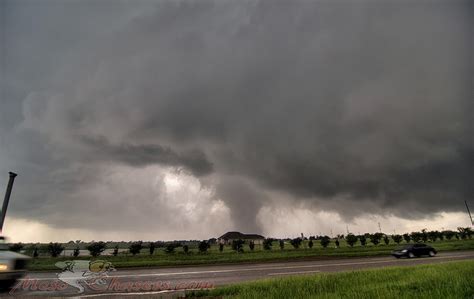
x: 296, y: 242
x: 282, y: 244
x: 449, y: 234
x: 325, y: 240
x: 135, y: 247
x: 185, y: 248
x: 397, y: 238
x: 375, y: 238
x: 55, y: 249
x: 440, y: 235
x: 337, y: 243
x: 424, y: 235
x: 35, y: 252
x: 362, y: 240
x: 433, y: 236
x: 115, y: 252
x: 465, y: 232
x: 221, y: 247
x: 152, y: 247
x: 351, y: 239
x: 170, y: 247
x: 251, y: 245
x: 76, y: 251
x: 267, y: 244
x: 386, y: 240
x: 96, y: 248
x: 238, y: 245
x: 310, y: 244
x: 416, y: 237
x: 407, y: 238
x: 203, y: 246
x: 17, y: 247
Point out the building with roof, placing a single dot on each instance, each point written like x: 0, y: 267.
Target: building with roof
x: 228, y: 237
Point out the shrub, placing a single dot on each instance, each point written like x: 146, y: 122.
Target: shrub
x: 386, y: 240
x: 351, y: 239
x: 296, y: 242
x: 203, y: 246
x: 185, y: 249
x: 96, y: 248
x: 325, y: 240
x: 397, y: 238
x: 55, y: 249
x: 337, y: 243
x: 221, y: 247
x: 267, y: 244
x: 251, y: 245
x: 135, y: 247
x: 310, y: 244
x: 363, y: 240
x: 282, y: 244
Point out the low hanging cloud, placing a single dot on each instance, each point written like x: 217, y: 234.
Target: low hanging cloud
x: 345, y: 107
x: 146, y: 154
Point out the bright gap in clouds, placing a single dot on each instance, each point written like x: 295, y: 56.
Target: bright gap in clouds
x: 275, y: 222
x: 291, y: 222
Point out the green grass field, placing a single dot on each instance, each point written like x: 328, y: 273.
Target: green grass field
x: 213, y: 256
x: 447, y: 280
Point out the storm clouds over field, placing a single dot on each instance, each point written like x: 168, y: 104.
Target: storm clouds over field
x: 199, y: 116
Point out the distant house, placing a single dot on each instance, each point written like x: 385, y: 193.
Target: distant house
x: 228, y: 237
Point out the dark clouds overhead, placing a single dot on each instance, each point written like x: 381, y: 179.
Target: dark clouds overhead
x: 338, y: 104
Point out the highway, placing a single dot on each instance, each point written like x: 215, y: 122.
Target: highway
x: 159, y: 281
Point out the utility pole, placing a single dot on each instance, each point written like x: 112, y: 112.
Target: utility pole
x: 7, y: 198
x: 469, y: 212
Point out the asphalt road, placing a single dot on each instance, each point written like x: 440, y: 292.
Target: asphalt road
x: 159, y: 281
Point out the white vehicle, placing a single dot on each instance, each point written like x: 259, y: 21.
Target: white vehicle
x: 12, y: 266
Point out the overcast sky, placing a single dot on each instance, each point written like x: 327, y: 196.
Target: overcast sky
x: 184, y: 119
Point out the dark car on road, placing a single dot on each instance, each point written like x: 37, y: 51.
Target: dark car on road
x: 412, y: 250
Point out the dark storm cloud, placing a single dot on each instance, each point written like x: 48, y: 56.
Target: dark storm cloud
x: 351, y: 106
x: 146, y: 154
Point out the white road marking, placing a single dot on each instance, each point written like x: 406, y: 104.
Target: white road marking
x: 274, y: 268
x: 290, y: 273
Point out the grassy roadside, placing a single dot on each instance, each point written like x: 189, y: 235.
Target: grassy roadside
x: 447, y: 280
x: 161, y: 259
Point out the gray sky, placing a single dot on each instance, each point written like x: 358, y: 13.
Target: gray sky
x: 183, y: 119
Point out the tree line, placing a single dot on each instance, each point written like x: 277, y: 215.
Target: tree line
x: 97, y: 248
